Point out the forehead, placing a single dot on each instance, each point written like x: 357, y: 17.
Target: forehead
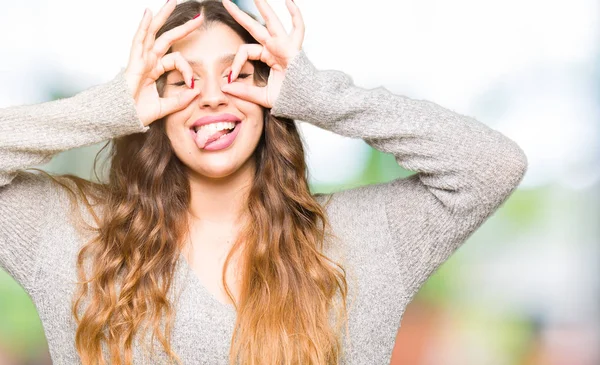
x: 206, y: 47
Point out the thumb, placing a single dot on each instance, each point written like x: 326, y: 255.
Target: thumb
x: 255, y: 94
x: 177, y: 102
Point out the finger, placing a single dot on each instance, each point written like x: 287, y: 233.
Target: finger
x: 271, y: 19
x: 164, y: 42
x: 138, y: 39
x: 245, y: 52
x: 255, y: 94
x: 177, y: 102
x: 158, y: 21
x: 298, y: 28
x: 259, y: 32
x: 174, y: 61
x: 249, y: 51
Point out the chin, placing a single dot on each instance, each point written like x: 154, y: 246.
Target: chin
x: 216, y: 165
x: 213, y: 172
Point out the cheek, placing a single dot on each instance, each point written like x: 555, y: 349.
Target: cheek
x: 173, y: 127
x: 249, y: 109
x: 256, y: 116
x: 176, y: 120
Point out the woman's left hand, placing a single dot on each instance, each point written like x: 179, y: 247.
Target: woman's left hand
x: 276, y: 49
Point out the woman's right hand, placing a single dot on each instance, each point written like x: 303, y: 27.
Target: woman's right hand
x: 147, y: 61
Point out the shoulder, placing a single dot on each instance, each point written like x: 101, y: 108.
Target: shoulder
x: 356, y: 214
x: 35, y: 226
x: 29, y: 190
x: 355, y: 200
x: 34, y: 193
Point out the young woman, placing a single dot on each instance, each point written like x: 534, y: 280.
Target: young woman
x: 205, y: 238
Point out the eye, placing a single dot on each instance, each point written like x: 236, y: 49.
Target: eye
x: 242, y: 76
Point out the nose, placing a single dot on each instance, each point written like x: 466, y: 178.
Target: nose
x: 211, y: 95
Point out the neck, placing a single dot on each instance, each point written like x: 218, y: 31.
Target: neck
x: 221, y: 201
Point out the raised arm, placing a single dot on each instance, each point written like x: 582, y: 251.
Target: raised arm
x: 465, y: 170
x: 32, y: 134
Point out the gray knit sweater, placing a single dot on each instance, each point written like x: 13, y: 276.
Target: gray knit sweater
x: 393, y: 235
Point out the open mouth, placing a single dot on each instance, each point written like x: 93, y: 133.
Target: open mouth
x: 194, y: 131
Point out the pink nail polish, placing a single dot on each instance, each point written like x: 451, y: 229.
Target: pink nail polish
x: 229, y: 78
x: 192, y: 82
x: 197, y: 15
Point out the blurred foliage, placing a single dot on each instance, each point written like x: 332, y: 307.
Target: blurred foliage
x: 20, y: 327
x: 524, y: 207
x: 511, y: 335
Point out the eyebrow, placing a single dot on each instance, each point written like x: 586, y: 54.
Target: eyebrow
x: 228, y: 58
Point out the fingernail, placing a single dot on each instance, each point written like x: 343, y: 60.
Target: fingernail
x: 229, y: 78
x: 197, y: 15
x: 192, y: 82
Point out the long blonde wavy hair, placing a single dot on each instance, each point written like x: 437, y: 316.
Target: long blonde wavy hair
x: 289, y: 288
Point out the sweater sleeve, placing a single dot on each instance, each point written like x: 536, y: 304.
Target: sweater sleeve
x: 464, y: 169
x: 31, y: 135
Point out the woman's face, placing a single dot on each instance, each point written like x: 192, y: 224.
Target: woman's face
x: 210, y: 53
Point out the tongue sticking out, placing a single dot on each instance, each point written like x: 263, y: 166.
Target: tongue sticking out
x: 203, y: 137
